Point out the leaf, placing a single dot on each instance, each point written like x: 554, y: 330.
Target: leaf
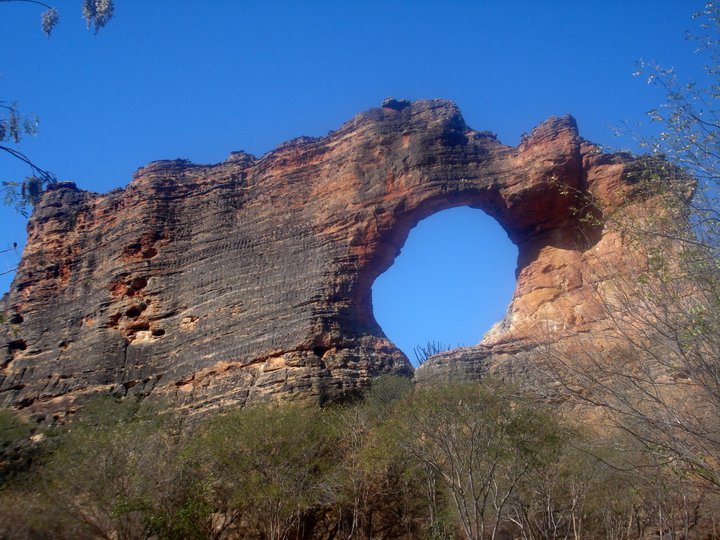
x: 97, y: 13
x: 49, y: 20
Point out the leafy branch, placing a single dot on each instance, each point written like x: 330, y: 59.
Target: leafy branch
x: 97, y: 13
x: 23, y: 195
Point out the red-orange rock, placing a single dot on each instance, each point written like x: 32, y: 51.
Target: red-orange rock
x: 251, y: 278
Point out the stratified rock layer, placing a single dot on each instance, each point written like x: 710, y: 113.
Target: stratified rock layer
x: 252, y: 278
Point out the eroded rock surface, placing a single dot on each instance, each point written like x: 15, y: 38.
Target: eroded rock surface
x: 250, y: 279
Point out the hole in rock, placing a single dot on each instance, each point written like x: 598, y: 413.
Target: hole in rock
x: 139, y: 327
x: 132, y: 249
x: 320, y: 351
x: 136, y: 285
x: 17, y: 345
x: 134, y: 312
x: 453, y: 280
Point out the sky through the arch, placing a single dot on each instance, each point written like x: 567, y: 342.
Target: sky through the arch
x: 197, y: 80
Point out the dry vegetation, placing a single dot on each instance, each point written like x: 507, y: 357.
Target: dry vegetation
x: 467, y: 460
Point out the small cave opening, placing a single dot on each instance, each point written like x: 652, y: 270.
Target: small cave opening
x: 452, y: 281
x: 320, y: 351
x: 133, y: 312
x: 16, y: 345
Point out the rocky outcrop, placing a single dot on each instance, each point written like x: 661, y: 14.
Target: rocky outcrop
x: 251, y: 279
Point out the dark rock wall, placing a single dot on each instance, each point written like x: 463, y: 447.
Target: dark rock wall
x: 252, y: 278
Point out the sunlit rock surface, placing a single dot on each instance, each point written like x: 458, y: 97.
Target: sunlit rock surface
x: 251, y: 279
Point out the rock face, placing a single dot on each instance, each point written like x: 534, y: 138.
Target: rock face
x: 251, y: 279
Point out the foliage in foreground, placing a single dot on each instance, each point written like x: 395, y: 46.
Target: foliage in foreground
x: 469, y: 460
x: 14, y: 125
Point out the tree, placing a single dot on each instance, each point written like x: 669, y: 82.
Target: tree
x: 14, y: 125
x: 479, y: 440
x: 655, y: 371
x: 120, y: 470
x: 423, y: 352
x: 16, y: 447
x: 267, y: 466
x: 371, y: 480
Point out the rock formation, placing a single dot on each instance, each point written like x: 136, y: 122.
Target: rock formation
x: 251, y: 279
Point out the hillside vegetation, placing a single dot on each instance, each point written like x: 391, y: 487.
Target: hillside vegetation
x: 466, y: 460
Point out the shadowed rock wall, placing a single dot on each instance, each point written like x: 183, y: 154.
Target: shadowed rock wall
x: 234, y: 282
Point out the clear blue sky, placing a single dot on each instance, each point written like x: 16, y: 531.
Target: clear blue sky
x: 197, y: 80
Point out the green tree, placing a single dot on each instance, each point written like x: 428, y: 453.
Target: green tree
x: 17, y: 449
x: 120, y: 471
x: 268, y: 466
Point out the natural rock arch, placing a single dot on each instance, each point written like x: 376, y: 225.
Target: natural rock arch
x: 252, y: 278
x: 452, y: 281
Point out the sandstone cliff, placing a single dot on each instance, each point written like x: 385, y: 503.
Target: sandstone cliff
x: 251, y: 278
